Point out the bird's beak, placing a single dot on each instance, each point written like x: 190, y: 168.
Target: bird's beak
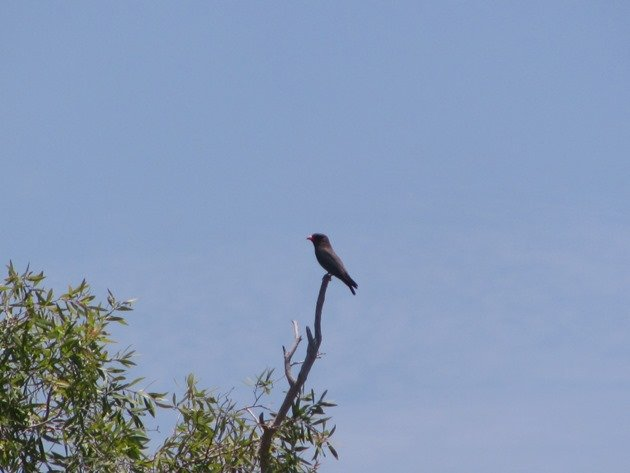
x: 310, y: 237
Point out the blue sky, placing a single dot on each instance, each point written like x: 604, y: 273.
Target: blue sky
x: 469, y: 161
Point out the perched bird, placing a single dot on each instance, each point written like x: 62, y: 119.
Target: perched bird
x: 330, y: 261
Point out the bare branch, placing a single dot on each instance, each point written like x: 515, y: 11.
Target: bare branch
x: 251, y: 413
x: 296, y: 386
x: 296, y: 329
x: 289, y: 354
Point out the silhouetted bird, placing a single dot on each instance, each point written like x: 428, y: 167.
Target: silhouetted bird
x: 329, y: 259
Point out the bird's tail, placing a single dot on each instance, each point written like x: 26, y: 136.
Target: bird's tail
x: 351, y: 284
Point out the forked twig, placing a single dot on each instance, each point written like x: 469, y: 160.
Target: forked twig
x: 289, y: 354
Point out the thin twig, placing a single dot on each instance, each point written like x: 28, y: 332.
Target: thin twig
x: 289, y: 354
x: 259, y: 420
x: 295, y: 386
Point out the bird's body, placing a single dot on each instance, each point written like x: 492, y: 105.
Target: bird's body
x: 329, y: 260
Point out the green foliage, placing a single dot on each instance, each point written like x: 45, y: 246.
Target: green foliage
x: 66, y: 403
x: 305, y: 429
x: 213, y: 435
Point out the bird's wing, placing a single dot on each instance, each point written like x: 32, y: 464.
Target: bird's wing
x: 331, y: 262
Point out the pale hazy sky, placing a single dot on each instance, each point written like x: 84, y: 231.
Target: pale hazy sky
x: 469, y: 160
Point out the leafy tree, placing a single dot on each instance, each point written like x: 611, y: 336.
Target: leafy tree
x: 67, y: 404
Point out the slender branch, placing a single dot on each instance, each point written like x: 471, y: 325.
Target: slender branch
x: 289, y: 354
x: 296, y: 385
x: 251, y: 413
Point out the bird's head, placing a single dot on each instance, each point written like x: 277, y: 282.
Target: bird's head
x: 318, y: 239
